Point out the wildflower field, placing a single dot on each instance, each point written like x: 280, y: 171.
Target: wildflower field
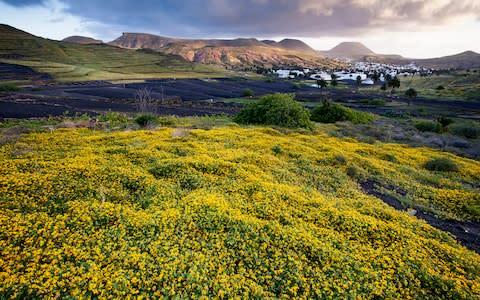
x: 230, y: 213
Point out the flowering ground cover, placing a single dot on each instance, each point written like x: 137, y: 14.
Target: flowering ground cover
x: 228, y: 212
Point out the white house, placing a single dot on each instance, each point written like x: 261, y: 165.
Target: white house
x: 321, y: 75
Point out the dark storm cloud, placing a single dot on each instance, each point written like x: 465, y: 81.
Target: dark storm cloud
x: 312, y: 18
x: 23, y: 2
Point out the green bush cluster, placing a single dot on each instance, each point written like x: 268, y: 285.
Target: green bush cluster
x: 429, y: 126
x: 248, y: 92
x: 146, y: 120
x: 276, y: 109
x: 466, y: 130
x: 442, y: 165
x: 374, y: 102
x: 332, y: 112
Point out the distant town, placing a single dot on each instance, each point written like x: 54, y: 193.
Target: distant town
x: 368, y: 73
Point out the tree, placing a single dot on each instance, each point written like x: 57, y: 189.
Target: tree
x: 358, y: 81
x: 322, y: 83
x: 334, y: 81
x: 145, y: 102
x: 411, y: 93
x: 394, y: 83
x: 375, y: 77
x: 388, y: 77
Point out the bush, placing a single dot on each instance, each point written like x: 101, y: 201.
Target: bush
x: 277, y: 149
x: 444, y: 121
x: 442, y: 165
x: 373, y: 102
x: 248, y: 93
x: 9, y: 87
x: 332, y: 112
x: 429, y: 126
x: 440, y: 87
x: 468, y: 131
x: 276, y: 109
x: 115, y: 119
x: 146, y: 120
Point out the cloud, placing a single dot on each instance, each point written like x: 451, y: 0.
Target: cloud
x: 23, y: 2
x: 267, y: 18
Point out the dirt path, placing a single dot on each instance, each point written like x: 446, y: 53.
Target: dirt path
x: 466, y: 233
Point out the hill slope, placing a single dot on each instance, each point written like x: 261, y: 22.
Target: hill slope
x: 237, y: 52
x: 71, y: 61
x: 81, y: 40
x: 464, y: 60
x: 158, y: 214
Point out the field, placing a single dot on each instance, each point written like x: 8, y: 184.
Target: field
x: 457, y: 85
x: 75, y: 62
x: 230, y: 212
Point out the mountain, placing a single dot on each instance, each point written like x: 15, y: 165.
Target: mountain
x: 141, y: 40
x: 464, y: 60
x: 359, y: 52
x: 291, y: 44
x: 81, y: 40
x: 348, y: 50
x: 242, y: 52
x: 72, y: 61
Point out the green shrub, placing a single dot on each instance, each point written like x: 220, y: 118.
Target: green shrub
x: 248, y: 92
x: 115, y: 119
x: 442, y: 165
x: 429, y: 126
x: 340, y: 159
x: 277, y: 149
x: 146, y: 120
x: 444, y: 121
x: 332, y: 112
x: 465, y: 130
x: 9, y: 87
x: 373, y: 102
x: 277, y: 109
x: 440, y: 87
x: 167, y: 120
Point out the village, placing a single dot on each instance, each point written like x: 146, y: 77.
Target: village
x: 369, y: 73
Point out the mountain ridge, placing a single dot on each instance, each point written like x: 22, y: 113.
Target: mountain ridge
x: 228, y: 52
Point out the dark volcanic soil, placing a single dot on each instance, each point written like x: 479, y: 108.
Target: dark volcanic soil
x: 17, y: 72
x: 467, y: 233
x: 192, y: 96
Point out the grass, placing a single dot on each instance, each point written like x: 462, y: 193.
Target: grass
x: 75, y: 62
x: 458, y: 86
x: 247, y: 212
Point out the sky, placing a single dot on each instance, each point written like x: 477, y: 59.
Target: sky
x: 412, y: 28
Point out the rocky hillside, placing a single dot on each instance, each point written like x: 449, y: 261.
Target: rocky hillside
x: 236, y: 52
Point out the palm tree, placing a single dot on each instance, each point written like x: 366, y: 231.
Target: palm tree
x: 358, y: 81
x: 394, y: 83
x: 334, y: 81
x: 322, y: 83
x: 411, y: 94
x: 375, y: 77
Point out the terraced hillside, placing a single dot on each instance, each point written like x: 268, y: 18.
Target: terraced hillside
x: 70, y: 61
x: 250, y: 212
